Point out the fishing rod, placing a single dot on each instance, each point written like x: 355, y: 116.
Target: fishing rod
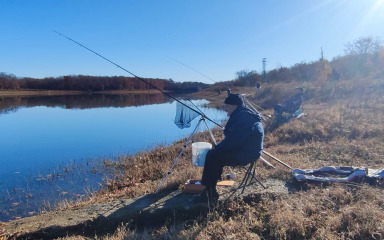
x: 278, y: 160
x: 140, y: 78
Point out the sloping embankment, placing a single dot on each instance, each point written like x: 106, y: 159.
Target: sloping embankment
x: 104, y: 218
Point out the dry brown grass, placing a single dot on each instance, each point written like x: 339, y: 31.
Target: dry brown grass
x: 334, y: 212
x: 342, y: 127
x: 142, y: 173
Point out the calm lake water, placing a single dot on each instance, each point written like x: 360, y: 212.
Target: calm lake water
x: 51, y: 148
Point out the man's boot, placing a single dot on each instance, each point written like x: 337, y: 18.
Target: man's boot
x: 209, y: 195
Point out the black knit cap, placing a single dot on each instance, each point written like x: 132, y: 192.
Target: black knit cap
x: 234, y: 99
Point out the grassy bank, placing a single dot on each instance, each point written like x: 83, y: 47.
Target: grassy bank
x: 343, y: 126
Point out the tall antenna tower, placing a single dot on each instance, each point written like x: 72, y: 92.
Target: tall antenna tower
x: 264, y: 72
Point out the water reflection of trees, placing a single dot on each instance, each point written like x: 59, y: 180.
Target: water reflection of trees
x: 84, y: 101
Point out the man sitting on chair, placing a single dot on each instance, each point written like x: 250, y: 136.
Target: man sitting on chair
x: 243, y: 144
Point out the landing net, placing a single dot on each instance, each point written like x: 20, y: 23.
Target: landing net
x: 185, y: 115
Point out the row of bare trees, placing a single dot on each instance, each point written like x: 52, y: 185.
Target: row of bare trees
x: 94, y: 83
x: 363, y: 58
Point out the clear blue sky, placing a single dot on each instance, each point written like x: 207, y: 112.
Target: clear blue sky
x: 215, y: 37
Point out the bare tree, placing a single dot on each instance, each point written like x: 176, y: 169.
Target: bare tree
x: 363, y: 45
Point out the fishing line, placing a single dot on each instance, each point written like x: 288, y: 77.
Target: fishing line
x: 140, y: 78
x: 192, y: 69
x: 168, y: 95
x: 228, y: 90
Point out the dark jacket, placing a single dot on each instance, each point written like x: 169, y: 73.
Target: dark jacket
x: 293, y: 103
x: 244, y: 134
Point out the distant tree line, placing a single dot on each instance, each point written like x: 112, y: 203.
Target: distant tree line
x: 363, y: 58
x: 95, y: 83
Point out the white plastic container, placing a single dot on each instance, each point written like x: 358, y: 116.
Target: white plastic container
x: 199, y: 151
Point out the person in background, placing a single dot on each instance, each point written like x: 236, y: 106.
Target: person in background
x: 290, y: 105
x: 242, y: 144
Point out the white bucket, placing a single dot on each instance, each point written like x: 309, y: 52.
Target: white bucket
x: 199, y: 150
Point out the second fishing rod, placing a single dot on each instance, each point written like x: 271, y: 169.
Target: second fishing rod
x: 140, y: 78
x: 227, y: 88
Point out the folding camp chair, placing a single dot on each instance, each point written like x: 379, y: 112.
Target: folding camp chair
x: 249, y: 176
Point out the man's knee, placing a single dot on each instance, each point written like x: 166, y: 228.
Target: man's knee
x: 278, y: 109
x: 210, y: 157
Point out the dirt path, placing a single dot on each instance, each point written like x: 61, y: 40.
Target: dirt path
x: 105, y: 218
